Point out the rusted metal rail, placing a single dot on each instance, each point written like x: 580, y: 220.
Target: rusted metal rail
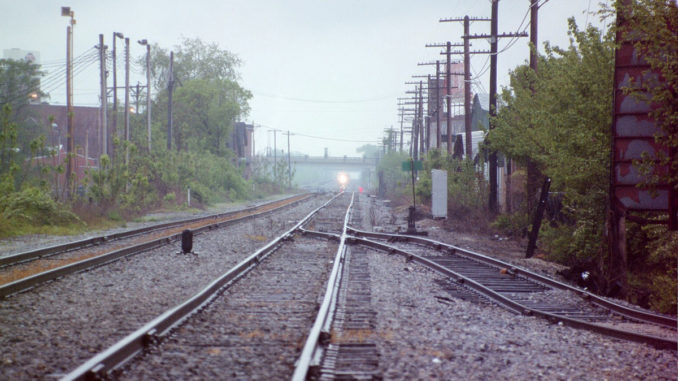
x: 628, y: 312
x: 101, y: 365
x: 98, y: 240
x: 37, y: 279
x: 509, y: 303
x: 516, y: 305
x: 320, y: 332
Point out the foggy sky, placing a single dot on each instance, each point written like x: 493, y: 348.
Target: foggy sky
x: 321, y: 68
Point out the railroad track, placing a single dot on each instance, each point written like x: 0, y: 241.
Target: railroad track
x: 522, y: 291
x: 22, y: 271
x: 266, y: 308
x: 251, y: 322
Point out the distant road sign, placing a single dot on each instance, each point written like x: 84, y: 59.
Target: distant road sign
x: 418, y: 165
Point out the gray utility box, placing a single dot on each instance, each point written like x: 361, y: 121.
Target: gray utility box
x: 439, y: 193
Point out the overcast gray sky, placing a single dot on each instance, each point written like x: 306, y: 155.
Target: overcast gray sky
x: 331, y: 69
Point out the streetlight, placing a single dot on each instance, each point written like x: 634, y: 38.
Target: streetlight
x: 67, y: 12
x: 148, y: 90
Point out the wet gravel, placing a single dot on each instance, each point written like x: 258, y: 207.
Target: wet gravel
x: 423, y: 332
x: 255, y: 330
x: 53, y: 328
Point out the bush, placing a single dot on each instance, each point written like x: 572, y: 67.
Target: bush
x: 31, y: 208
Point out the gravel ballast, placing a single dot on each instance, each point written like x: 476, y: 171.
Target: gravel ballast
x: 50, y: 330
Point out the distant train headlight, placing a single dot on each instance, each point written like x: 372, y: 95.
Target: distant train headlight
x: 342, y: 178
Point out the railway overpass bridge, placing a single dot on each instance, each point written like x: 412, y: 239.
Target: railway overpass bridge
x: 314, y: 172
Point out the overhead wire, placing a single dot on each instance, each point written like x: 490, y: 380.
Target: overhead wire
x: 56, y: 79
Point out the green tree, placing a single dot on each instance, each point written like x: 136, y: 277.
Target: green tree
x: 651, y: 26
x: 19, y: 82
x: 208, y: 98
x: 560, y: 118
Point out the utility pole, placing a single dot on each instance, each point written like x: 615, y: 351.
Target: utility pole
x: 438, y: 135
x: 448, y: 98
x: 467, y: 91
x: 494, y: 36
x: 137, y: 94
x: 532, y: 171
x: 103, y: 130
x: 289, y: 162
x: 127, y: 100
x: 467, y: 79
x: 170, y: 89
x: 70, y: 142
x: 421, y: 119
x: 402, y: 117
x: 148, y: 91
x: 114, y: 129
x: 493, y: 102
x: 275, y: 156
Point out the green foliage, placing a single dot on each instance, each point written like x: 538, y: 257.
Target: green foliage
x: 560, y: 117
x: 207, y: 99
x: 31, y: 207
x: 651, y: 24
x: 653, y: 260
x: 467, y: 189
x: 19, y: 80
x: 396, y: 182
x: 514, y: 224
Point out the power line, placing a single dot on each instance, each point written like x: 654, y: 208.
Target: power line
x: 321, y: 100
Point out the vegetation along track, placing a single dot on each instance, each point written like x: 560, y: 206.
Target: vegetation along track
x: 253, y: 327
x: 522, y: 291
x: 28, y: 269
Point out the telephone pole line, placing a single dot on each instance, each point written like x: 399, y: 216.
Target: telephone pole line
x: 467, y: 79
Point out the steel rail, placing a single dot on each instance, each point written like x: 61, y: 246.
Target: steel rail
x: 94, y: 241
x: 101, y: 365
x: 628, y: 312
x: 37, y: 279
x: 513, y: 306
x: 311, y: 353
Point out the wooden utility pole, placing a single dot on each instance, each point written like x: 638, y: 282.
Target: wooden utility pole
x: 467, y: 91
x: 402, y: 116
x: 127, y: 100
x: 467, y: 74
x: 421, y: 119
x: 289, y: 162
x: 114, y: 124
x: 70, y: 142
x: 148, y: 92
x: 493, y: 103
x: 427, y: 120
x: 170, y: 89
x: 103, y: 126
x: 532, y: 171
x: 448, y: 98
x: 438, y: 134
x: 275, y: 155
x: 494, y: 36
